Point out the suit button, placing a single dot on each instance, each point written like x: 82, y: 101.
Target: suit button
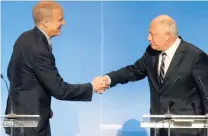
x: 161, y: 97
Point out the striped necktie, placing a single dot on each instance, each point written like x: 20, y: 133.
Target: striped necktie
x: 50, y: 47
x: 162, y: 69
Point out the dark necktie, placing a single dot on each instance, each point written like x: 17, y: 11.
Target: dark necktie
x: 162, y: 69
x: 51, y: 114
x: 50, y: 47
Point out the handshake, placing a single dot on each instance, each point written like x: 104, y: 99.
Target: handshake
x: 101, y: 83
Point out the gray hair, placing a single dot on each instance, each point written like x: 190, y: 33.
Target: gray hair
x: 170, y: 25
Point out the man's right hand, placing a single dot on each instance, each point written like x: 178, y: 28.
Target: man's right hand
x: 100, y: 84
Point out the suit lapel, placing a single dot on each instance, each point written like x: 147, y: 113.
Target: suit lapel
x: 152, y: 63
x: 156, y: 68
x: 177, y: 58
x: 155, y: 72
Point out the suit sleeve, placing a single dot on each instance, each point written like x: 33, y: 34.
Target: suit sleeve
x: 130, y: 73
x: 48, y: 76
x: 9, y: 69
x: 200, y: 74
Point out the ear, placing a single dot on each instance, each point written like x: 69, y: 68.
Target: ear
x: 167, y: 36
x: 45, y: 22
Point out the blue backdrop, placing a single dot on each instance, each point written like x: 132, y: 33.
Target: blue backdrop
x: 100, y: 37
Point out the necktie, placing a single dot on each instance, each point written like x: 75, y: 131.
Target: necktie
x: 51, y: 114
x: 50, y: 47
x: 162, y: 69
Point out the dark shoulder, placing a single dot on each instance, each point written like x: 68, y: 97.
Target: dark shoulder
x: 191, y: 48
x: 199, y: 56
x: 22, y: 42
x: 23, y: 38
x: 30, y: 41
x: 29, y: 38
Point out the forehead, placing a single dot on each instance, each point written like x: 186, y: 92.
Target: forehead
x: 156, y: 27
x: 58, y: 13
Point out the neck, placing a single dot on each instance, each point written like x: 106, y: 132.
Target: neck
x: 170, y: 43
x: 45, y: 30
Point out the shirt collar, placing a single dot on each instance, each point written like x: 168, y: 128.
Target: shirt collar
x: 171, y: 51
x: 47, y: 37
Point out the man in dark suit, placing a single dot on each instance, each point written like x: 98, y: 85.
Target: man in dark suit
x: 33, y: 75
x: 177, y: 72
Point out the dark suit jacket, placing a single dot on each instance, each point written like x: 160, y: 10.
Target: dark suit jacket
x: 34, y: 78
x: 184, y: 84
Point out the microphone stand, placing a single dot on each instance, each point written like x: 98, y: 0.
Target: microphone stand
x: 204, y: 89
x: 11, y: 115
x: 168, y: 115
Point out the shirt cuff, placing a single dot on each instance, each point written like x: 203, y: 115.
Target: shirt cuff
x: 92, y: 87
x: 109, y: 80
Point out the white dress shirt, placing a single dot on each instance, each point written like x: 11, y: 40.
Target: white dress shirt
x: 169, y: 55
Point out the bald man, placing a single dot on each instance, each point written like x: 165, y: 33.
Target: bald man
x: 177, y: 72
x: 33, y: 75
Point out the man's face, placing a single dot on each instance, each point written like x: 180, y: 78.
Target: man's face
x: 55, y: 23
x: 158, y: 36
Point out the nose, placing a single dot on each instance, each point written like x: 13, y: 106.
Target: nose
x: 63, y: 22
x: 149, y: 37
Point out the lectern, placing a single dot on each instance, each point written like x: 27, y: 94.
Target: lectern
x: 21, y: 121
x: 13, y: 120
x: 174, y: 121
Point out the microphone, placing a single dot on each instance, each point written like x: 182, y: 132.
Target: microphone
x: 194, y: 108
x: 2, y: 77
x: 168, y: 116
x: 171, y: 103
x: 204, y: 89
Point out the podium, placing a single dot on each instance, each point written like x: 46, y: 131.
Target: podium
x: 19, y: 121
x: 174, y: 121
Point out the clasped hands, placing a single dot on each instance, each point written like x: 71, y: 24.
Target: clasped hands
x: 101, y: 83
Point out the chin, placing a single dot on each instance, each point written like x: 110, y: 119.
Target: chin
x: 57, y: 34
x: 155, y: 48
